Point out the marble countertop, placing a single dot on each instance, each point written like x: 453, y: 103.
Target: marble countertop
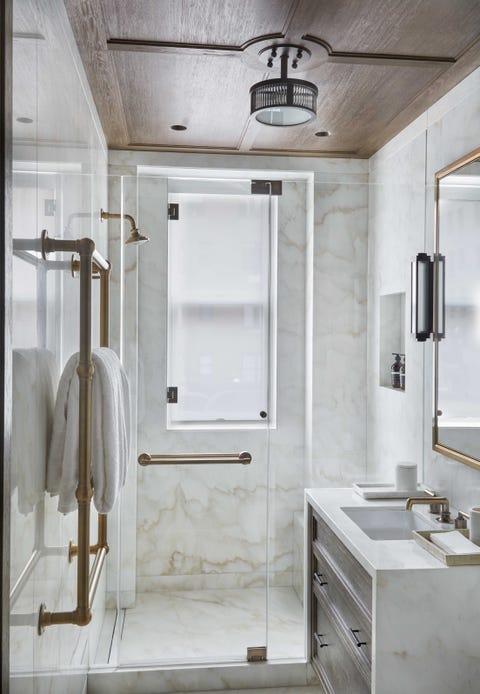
x: 373, y: 555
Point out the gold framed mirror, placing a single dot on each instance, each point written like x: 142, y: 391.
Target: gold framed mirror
x: 456, y: 311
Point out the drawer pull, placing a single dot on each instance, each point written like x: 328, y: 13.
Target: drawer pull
x: 357, y: 640
x: 318, y: 639
x: 318, y: 579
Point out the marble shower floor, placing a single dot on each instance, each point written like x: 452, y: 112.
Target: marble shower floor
x: 206, y: 626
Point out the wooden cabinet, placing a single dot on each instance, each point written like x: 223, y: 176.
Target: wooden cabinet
x: 341, y: 613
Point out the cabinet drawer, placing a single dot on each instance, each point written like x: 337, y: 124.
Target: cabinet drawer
x: 339, y: 669
x: 328, y: 587
x: 352, y: 574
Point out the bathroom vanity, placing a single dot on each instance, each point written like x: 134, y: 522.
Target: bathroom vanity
x: 384, y: 615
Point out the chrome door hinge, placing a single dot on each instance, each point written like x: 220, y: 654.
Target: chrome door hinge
x: 173, y: 210
x: 261, y: 187
x: 256, y: 654
x: 172, y: 395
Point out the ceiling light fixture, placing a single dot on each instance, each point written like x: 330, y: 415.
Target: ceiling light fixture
x: 284, y: 102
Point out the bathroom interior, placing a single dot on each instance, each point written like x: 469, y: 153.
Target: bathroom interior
x: 256, y: 283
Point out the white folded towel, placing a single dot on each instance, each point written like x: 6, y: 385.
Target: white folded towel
x: 453, y: 542
x: 110, y: 433
x: 34, y: 380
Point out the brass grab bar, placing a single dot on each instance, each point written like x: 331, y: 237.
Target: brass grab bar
x: 91, y: 261
x: 243, y: 458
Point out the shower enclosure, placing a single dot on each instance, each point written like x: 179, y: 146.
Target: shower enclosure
x: 210, y: 326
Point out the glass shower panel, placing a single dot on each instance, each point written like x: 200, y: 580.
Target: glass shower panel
x: 219, y: 299
x: 200, y: 550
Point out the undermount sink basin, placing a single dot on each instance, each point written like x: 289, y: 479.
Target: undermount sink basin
x: 387, y: 523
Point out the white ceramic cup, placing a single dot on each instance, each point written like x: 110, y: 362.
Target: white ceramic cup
x: 406, y: 477
x: 475, y: 525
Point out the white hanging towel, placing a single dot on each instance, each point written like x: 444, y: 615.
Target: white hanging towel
x: 110, y: 433
x: 34, y: 379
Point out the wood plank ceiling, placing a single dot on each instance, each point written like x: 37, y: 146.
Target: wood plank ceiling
x: 377, y: 65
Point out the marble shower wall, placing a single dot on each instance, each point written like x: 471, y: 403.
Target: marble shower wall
x: 339, y: 317
x: 201, y: 527
x: 401, y: 224
x: 59, y: 184
x: 207, y: 525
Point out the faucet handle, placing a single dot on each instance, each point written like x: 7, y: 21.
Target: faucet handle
x: 461, y: 520
x: 434, y: 508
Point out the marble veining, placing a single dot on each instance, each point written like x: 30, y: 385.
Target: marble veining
x: 424, y: 620
x: 401, y: 224
x: 211, y: 625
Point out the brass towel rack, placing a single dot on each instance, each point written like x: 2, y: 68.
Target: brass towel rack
x: 91, y: 265
x: 243, y: 458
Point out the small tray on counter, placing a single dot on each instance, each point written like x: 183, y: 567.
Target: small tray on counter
x: 423, y: 539
x: 369, y: 490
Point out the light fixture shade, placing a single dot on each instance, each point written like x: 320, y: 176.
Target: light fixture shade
x: 283, y: 102
x: 422, y: 297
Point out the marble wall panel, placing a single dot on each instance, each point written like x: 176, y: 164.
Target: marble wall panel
x: 401, y: 223
x: 396, y: 235
x: 339, y: 333
x: 181, y: 512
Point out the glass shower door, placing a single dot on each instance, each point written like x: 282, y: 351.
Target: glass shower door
x: 206, y: 356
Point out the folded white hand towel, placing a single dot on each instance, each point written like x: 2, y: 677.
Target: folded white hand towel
x: 453, y: 542
x: 110, y: 433
x: 34, y: 379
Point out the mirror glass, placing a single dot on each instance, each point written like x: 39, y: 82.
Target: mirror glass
x: 457, y: 299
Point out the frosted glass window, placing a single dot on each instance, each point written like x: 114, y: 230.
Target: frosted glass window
x: 219, y: 309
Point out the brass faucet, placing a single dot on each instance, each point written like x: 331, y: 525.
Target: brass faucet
x: 440, y: 501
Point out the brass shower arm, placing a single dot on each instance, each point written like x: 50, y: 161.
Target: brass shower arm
x: 115, y: 215
x: 135, y: 236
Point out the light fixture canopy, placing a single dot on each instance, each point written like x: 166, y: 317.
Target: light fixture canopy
x: 285, y: 101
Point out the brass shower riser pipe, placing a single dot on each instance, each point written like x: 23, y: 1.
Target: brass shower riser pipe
x: 87, y: 581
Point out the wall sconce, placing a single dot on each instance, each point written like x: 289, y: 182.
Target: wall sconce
x: 423, y: 303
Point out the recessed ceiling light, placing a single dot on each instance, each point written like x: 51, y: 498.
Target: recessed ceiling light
x: 323, y: 133
x: 22, y: 119
x: 178, y: 127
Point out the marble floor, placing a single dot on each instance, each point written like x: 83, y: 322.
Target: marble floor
x: 204, y: 626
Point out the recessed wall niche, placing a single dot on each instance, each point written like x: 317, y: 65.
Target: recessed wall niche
x: 392, y: 335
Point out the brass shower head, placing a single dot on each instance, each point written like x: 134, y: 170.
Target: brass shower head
x: 135, y: 236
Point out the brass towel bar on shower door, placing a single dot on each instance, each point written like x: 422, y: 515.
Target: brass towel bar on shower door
x: 91, y: 264
x: 243, y: 458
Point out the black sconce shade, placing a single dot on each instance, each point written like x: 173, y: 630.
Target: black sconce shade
x: 422, y: 297
x: 422, y: 286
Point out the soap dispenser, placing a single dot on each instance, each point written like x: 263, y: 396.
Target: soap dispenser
x: 402, y: 372
x: 395, y: 371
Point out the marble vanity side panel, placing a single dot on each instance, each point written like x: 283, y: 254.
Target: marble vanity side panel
x: 65, y: 151
x: 422, y: 645
x: 396, y: 233
x: 339, y: 333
